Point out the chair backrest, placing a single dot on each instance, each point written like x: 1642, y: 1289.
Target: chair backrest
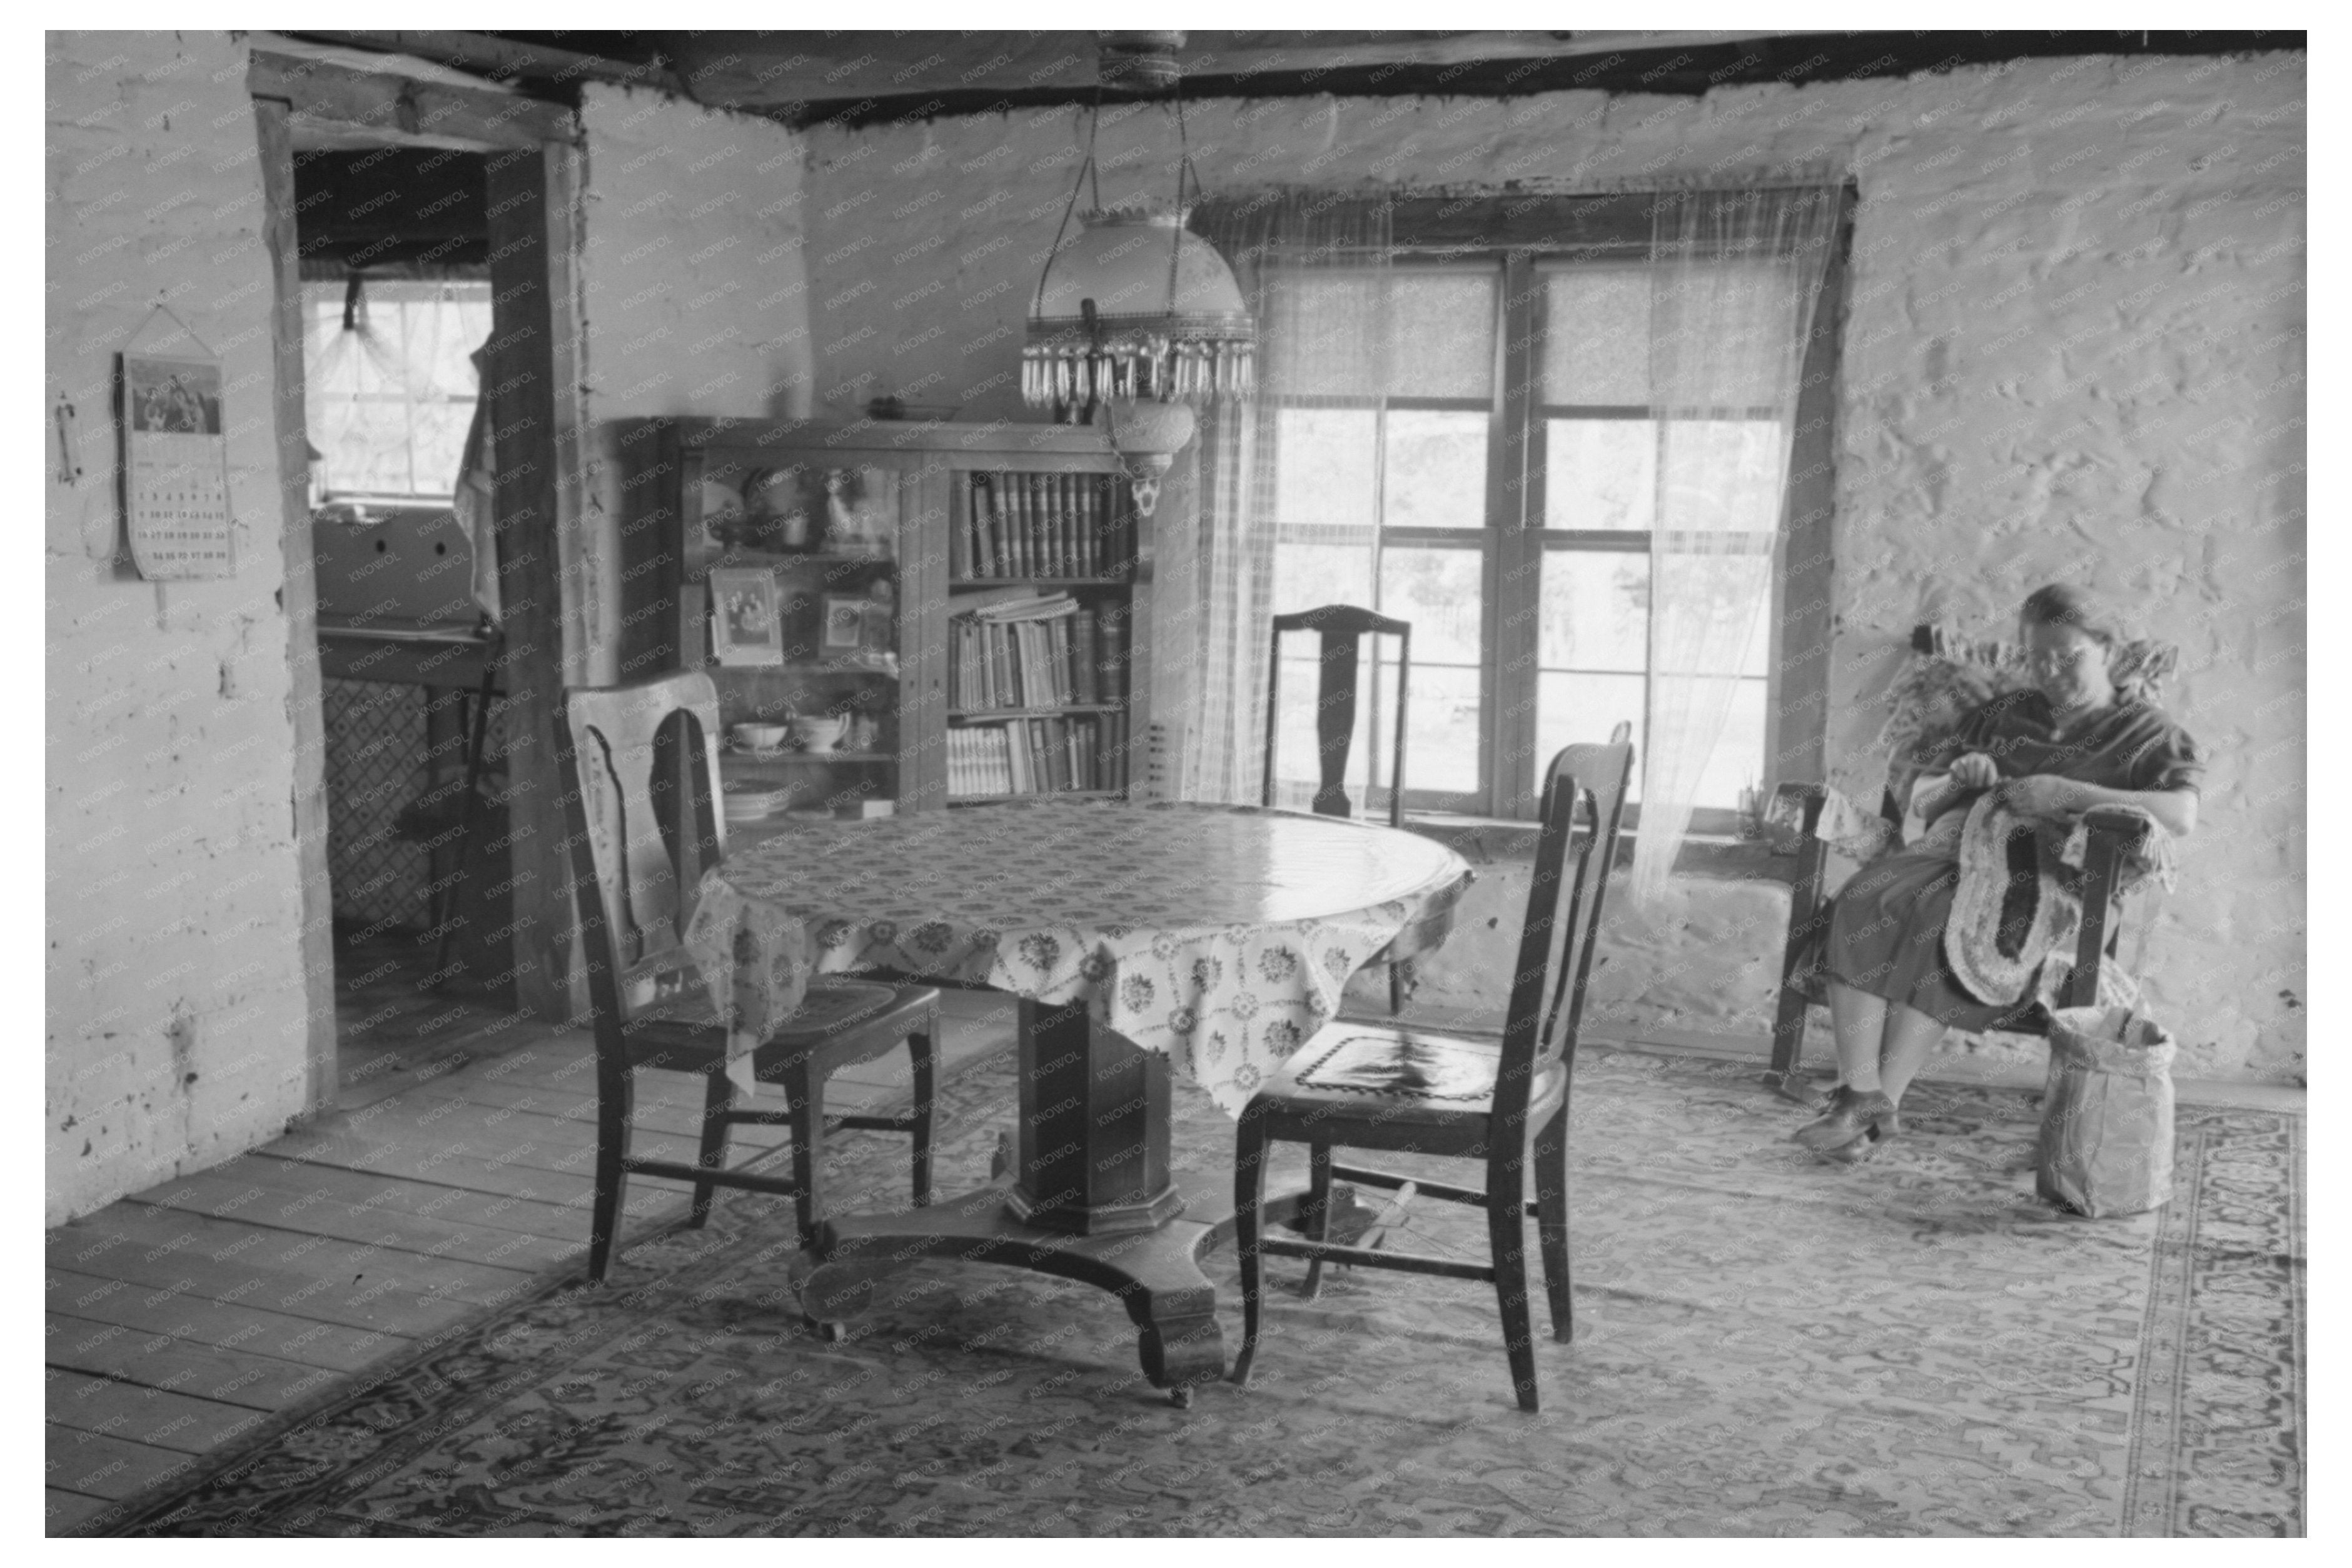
x: 1548, y: 986
x: 639, y: 766
x: 1342, y: 629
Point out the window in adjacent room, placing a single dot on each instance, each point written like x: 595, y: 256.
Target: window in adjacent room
x: 390, y: 382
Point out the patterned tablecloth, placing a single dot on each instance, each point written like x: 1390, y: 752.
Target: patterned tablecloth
x: 1220, y: 934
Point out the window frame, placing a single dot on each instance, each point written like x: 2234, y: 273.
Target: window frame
x: 1521, y: 238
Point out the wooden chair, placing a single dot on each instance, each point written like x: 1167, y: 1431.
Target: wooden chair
x: 1342, y: 629
x: 1408, y: 1092
x: 2116, y: 835
x: 643, y: 830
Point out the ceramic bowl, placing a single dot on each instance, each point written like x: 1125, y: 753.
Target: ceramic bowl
x: 818, y: 733
x: 759, y: 736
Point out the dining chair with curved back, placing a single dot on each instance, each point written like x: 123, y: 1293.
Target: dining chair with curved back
x: 1404, y: 1091
x: 1341, y: 630
x: 639, y: 766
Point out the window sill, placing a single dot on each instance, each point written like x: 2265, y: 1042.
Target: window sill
x: 1706, y: 857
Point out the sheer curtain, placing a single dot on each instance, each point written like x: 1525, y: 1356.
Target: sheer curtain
x: 1734, y: 278
x: 1299, y: 256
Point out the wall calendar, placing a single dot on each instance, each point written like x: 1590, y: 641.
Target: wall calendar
x: 175, y: 466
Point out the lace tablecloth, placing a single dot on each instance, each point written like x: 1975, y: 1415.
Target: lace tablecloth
x: 1219, y: 935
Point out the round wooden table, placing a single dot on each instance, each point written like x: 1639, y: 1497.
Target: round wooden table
x: 1210, y: 940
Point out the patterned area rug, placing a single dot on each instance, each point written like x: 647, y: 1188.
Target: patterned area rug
x: 1765, y: 1345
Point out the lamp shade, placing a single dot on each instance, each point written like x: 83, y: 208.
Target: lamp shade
x: 1137, y: 306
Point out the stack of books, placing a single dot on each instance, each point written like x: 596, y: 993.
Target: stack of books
x: 1042, y: 524
x: 1037, y: 756
x: 1036, y: 650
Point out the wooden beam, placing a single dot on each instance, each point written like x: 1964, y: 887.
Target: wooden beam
x: 783, y: 70
x: 402, y: 109
x: 502, y: 59
x: 299, y: 593
x: 534, y: 384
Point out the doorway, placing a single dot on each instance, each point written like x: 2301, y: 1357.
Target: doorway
x: 423, y: 239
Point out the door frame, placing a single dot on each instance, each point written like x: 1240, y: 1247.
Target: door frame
x: 540, y: 489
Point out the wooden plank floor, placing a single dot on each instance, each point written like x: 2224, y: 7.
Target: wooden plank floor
x: 453, y: 1176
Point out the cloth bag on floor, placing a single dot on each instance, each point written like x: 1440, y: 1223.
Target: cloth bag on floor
x: 2106, y: 1112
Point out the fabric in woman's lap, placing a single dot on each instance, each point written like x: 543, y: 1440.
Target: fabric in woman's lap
x: 1887, y: 938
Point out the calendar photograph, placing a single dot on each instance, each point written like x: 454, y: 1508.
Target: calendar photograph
x: 174, y: 397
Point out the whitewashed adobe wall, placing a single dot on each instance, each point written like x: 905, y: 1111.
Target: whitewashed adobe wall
x: 693, y: 291
x: 175, y: 1002
x: 2073, y: 351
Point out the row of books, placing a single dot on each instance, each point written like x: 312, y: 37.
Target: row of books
x: 1037, y: 756
x: 1042, y: 525
x: 1041, y: 652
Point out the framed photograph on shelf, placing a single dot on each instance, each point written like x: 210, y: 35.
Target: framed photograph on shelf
x: 844, y: 624
x: 747, y: 624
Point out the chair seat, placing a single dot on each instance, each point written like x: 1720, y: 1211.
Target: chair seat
x: 1399, y: 1074
x: 686, y: 1031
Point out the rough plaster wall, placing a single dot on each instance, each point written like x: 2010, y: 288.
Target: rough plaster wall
x: 694, y: 292
x: 2074, y: 350
x: 175, y: 1002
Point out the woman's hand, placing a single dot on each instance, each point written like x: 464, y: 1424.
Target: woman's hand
x: 1975, y: 771
x: 2042, y: 796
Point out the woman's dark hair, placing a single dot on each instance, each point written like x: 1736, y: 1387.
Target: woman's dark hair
x: 2059, y: 605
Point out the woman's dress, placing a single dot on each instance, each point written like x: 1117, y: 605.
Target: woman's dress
x: 1886, y: 925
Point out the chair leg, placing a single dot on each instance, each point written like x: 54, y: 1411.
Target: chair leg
x: 1551, y: 1219
x: 919, y: 1054
x: 807, y: 1091
x: 1249, y: 1197
x: 614, y: 1095
x: 1317, y: 1213
x: 717, y: 1099
x: 1397, y: 987
x: 1506, y: 1232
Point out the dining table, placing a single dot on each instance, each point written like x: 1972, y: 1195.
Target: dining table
x: 1143, y: 940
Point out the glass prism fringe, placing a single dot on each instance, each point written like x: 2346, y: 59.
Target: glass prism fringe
x: 1136, y: 365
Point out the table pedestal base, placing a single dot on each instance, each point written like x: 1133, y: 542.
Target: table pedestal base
x: 1156, y: 1273
x: 1091, y: 1197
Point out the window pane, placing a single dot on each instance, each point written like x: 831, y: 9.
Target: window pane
x: 1443, y: 593
x: 1441, y: 334
x: 1317, y: 340
x: 1596, y: 611
x: 1441, y: 748
x: 1323, y: 466
x: 440, y: 449
x: 1362, y: 332
x: 1723, y: 475
x: 1574, y: 708
x: 1597, y: 337
x: 1600, y: 474
x: 1729, y: 322
x: 1714, y: 613
x: 1738, y: 759
x: 1436, y: 471
x: 1307, y: 577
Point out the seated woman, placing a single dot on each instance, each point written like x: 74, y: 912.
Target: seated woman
x: 2070, y: 742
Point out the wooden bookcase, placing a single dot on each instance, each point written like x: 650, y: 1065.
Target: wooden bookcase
x: 951, y: 527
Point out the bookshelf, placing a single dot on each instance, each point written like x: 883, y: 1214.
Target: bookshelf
x: 998, y: 575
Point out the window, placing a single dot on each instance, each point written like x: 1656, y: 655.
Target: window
x: 1527, y: 585
x: 390, y: 382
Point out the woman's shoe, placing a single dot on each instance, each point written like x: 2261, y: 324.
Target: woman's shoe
x: 1852, y: 1116
x: 1874, y: 1138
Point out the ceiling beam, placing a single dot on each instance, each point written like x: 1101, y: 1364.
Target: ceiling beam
x: 793, y: 71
